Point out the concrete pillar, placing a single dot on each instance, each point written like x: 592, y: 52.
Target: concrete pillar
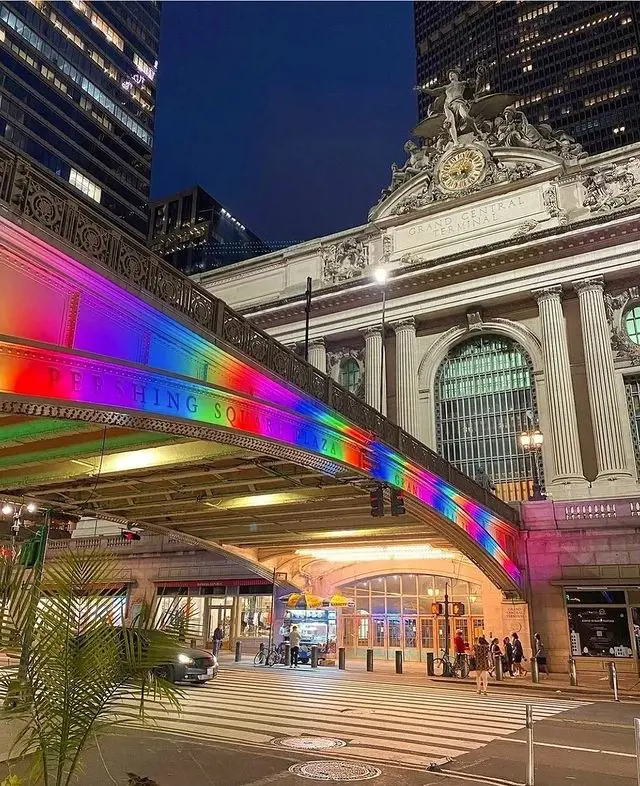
x: 373, y: 369
x: 318, y: 354
x: 603, y: 401
x: 406, y: 376
x: 567, y: 459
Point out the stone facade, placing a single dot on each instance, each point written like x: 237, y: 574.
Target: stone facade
x: 548, y: 260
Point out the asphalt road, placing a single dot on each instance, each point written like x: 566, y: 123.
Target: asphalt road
x: 232, y: 733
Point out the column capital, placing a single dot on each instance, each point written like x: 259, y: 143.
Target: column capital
x: 371, y: 330
x: 548, y: 293
x: 591, y: 284
x: 404, y: 324
x: 316, y: 342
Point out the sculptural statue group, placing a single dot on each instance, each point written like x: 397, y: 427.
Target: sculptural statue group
x: 461, y: 113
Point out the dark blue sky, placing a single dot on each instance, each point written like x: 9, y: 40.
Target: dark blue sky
x: 289, y: 113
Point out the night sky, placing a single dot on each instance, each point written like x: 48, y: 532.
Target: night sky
x: 289, y: 113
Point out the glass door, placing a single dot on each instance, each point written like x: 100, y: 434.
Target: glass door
x: 410, y: 635
x: 378, y: 636
x: 427, y: 640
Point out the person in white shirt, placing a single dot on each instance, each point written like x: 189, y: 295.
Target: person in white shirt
x: 294, y: 641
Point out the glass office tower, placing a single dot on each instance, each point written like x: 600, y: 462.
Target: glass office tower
x: 575, y: 65
x: 77, y: 95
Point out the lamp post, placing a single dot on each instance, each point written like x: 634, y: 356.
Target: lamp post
x: 531, y: 442
x: 380, y: 274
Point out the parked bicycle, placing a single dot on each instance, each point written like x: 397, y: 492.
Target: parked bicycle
x: 445, y: 666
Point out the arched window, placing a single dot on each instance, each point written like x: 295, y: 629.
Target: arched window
x: 632, y: 324
x: 485, y: 398
x: 349, y: 374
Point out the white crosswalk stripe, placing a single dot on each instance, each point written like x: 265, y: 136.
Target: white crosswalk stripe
x: 400, y: 724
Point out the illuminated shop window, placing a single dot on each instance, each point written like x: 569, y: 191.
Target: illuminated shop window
x: 485, y: 398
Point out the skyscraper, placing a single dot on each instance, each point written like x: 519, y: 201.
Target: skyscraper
x: 77, y: 95
x: 575, y: 65
x: 194, y: 233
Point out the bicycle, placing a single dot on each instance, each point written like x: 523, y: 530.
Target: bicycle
x: 446, y: 667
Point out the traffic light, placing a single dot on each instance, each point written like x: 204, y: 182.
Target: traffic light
x: 457, y: 609
x: 397, y: 502
x: 129, y: 535
x: 437, y: 609
x: 377, y: 501
x: 32, y: 550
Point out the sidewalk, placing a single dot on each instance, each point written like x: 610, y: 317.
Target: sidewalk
x: 593, y: 685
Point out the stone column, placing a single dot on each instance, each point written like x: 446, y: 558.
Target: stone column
x: 372, y: 369
x: 567, y: 459
x: 318, y: 354
x: 406, y: 376
x: 605, y: 412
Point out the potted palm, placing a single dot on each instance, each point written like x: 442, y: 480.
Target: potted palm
x: 79, y: 674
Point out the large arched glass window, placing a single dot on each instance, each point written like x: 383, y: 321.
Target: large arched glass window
x: 632, y: 324
x: 349, y: 374
x: 485, y: 398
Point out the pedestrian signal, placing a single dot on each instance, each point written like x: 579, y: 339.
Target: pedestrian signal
x: 437, y: 609
x: 397, y: 503
x: 377, y: 501
x: 457, y: 609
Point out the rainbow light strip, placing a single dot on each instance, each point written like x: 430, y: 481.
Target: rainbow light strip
x: 274, y: 410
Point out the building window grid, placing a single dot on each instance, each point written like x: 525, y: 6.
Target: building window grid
x: 632, y: 389
x: 52, y: 56
x: 84, y: 184
x: 485, y: 397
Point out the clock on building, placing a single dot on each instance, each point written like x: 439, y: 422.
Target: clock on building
x: 461, y: 169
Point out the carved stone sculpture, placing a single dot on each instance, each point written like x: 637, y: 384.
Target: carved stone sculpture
x: 344, y: 260
x: 612, y: 186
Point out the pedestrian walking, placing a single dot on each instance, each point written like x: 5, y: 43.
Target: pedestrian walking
x: 539, y: 654
x: 518, y: 656
x: 294, y: 641
x: 218, y: 636
x: 483, y: 664
x: 508, y: 656
x: 460, y: 646
x: 496, y: 652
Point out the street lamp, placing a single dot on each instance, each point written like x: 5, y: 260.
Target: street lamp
x: 531, y: 442
x: 380, y: 274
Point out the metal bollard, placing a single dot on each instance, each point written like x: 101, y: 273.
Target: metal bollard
x: 398, y: 661
x: 636, y: 727
x: 499, y: 674
x: 194, y: 644
x: 530, y: 761
x: 341, y: 658
x: 314, y: 656
x: 535, y: 671
x: 369, y: 660
x: 613, y: 680
x: 287, y: 654
x: 573, y: 672
x: 238, y: 651
x: 430, y: 669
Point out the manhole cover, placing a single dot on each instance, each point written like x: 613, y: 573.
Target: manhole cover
x: 309, y: 743
x: 335, y: 771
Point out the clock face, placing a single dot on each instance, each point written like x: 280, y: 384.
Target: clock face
x: 462, y: 169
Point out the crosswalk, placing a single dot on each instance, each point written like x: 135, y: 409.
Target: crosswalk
x: 379, y: 722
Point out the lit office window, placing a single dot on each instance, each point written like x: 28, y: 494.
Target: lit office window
x: 66, y: 31
x: 148, y: 70
x: 85, y: 185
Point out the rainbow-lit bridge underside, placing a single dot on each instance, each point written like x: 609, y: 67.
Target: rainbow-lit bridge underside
x: 78, y: 343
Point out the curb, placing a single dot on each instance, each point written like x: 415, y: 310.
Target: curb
x: 570, y: 690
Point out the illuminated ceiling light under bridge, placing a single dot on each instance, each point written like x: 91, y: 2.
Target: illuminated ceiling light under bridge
x: 376, y: 553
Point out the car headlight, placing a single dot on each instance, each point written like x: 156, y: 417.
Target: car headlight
x: 186, y: 659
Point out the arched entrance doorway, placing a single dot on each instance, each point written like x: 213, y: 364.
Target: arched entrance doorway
x: 395, y: 612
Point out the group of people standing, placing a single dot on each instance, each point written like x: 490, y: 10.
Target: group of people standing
x: 511, y: 655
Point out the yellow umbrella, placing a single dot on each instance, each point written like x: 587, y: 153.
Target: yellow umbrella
x: 302, y: 600
x: 341, y: 601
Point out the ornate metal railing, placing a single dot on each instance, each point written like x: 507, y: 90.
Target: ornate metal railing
x: 33, y: 196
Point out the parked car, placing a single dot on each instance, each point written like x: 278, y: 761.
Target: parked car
x: 194, y: 666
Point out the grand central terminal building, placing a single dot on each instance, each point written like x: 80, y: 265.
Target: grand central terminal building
x: 490, y: 306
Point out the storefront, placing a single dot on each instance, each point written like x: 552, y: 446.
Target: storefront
x: 316, y: 627
x: 241, y: 609
x: 603, y: 622
x: 396, y: 613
